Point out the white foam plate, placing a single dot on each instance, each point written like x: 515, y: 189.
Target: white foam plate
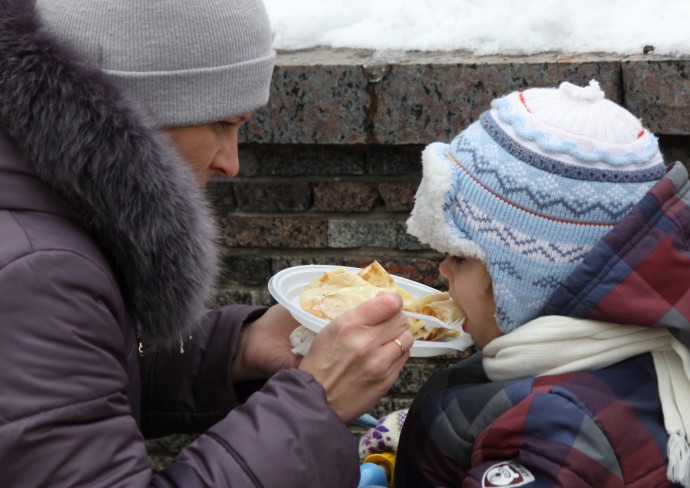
x: 287, y: 285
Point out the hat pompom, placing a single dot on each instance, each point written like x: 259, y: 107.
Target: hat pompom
x: 589, y: 93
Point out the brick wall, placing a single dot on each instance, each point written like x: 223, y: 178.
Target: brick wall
x: 330, y: 166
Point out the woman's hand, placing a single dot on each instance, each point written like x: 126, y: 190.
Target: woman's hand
x: 264, y: 346
x: 356, y: 357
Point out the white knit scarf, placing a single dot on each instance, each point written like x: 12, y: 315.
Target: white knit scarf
x: 553, y: 345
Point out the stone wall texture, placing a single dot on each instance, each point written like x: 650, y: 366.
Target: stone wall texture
x: 330, y: 166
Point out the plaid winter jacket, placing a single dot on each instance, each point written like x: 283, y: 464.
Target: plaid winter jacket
x: 602, y: 428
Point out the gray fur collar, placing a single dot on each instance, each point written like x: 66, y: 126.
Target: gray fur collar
x: 131, y: 192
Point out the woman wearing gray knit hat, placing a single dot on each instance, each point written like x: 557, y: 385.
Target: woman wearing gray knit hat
x: 111, y: 114
x: 567, y: 244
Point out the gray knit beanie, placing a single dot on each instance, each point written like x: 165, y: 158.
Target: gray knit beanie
x: 185, y: 62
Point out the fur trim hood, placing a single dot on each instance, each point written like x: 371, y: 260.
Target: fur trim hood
x: 130, y: 190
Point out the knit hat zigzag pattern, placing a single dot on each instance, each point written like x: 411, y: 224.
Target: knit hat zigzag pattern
x: 532, y: 188
x: 514, y: 240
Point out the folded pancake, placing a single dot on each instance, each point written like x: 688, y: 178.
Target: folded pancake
x: 339, y: 290
x: 438, y: 305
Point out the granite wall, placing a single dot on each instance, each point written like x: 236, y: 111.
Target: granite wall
x: 330, y: 166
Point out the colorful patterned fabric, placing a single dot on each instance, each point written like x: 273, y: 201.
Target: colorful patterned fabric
x: 642, y: 270
x: 600, y: 428
x: 590, y: 429
x: 384, y: 436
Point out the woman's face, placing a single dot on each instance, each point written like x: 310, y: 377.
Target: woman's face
x: 469, y: 285
x: 209, y: 148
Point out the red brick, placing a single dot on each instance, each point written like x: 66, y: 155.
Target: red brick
x: 220, y: 196
x: 346, y: 197
x: 398, y: 197
x: 289, y: 232
x: 272, y: 197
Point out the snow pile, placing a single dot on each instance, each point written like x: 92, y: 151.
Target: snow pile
x: 481, y: 27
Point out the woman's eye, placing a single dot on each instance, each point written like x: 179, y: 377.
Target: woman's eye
x: 234, y: 121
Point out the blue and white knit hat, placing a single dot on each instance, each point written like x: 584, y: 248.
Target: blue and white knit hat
x: 531, y: 187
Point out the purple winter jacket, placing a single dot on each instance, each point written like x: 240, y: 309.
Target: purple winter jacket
x: 106, y: 244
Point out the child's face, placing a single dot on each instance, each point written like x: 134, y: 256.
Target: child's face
x: 469, y: 285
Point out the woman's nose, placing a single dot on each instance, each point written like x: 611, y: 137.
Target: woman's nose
x: 227, y: 161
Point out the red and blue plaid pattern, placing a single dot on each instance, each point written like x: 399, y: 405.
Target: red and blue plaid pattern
x: 596, y: 428
x: 639, y: 273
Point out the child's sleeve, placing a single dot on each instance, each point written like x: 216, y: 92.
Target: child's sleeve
x: 543, y: 440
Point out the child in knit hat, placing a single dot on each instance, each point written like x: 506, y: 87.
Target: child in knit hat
x: 567, y: 246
